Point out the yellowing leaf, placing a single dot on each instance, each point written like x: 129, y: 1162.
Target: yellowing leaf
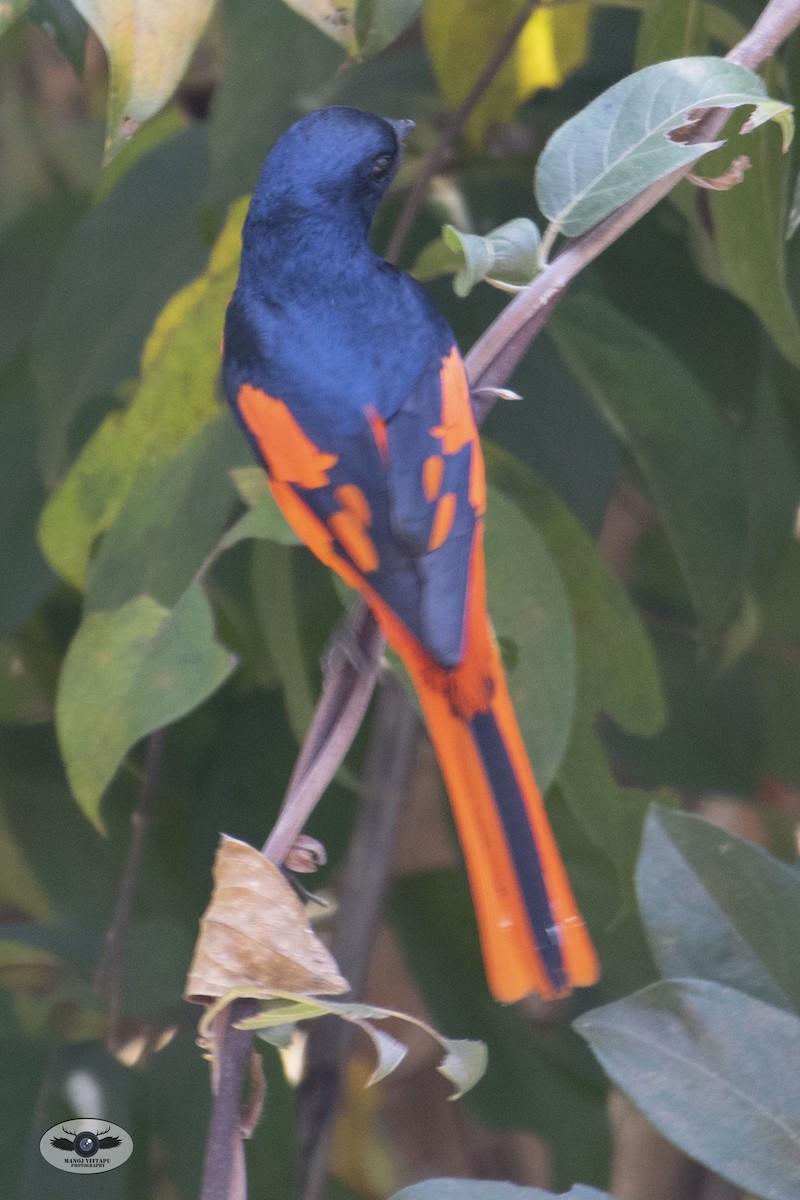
x: 337, y: 20
x: 552, y: 45
x: 175, y: 398
x: 149, y: 44
x: 462, y: 35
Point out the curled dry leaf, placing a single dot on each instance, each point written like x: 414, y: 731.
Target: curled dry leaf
x: 721, y: 183
x: 255, y: 934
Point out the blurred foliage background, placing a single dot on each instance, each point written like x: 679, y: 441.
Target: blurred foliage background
x: 644, y: 574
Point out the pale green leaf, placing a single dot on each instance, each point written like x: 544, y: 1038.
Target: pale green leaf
x: 489, y: 1189
x: 620, y: 143
x: 719, y: 908
x: 335, y: 20
x: 507, y: 254
x: 715, y: 1071
x: 149, y: 44
x: 464, y: 1061
x: 464, y: 1064
x: 127, y: 673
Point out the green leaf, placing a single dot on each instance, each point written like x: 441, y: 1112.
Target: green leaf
x: 619, y: 144
x: 380, y: 22
x: 719, y: 908
x: 749, y: 223
x: 670, y: 29
x: 149, y: 45
x: 487, y: 1189
x: 22, y: 496
x: 714, y: 1071
x: 127, y: 673
x: 278, y: 618
x: 531, y: 614
x: 176, y: 398
x: 170, y: 521
x: 617, y: 672
x: 126, y: 258
x: 686, y: 451
x: 464, y: 1062
x: 264, y: 520
x: 507, y: 254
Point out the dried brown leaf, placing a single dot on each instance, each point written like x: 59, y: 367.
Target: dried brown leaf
x: 255, y: 934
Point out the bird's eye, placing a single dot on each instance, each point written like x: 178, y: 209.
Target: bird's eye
x: 381, y: 166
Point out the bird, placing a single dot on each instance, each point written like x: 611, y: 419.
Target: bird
x: 347, y: 380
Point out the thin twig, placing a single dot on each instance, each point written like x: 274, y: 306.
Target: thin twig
x: 110, y: 973
x: 453, y: 126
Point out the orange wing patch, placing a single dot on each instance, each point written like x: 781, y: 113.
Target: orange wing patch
x: 290, y: 454
x: 458, y: 428
x: 442, y: 520
x: 432, y: 475
x: 350, y: 527
x: 378, y: 427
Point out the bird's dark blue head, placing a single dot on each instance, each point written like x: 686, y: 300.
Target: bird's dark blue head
x: 332, y: 167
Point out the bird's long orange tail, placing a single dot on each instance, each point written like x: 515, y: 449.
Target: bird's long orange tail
x: 532, y: 935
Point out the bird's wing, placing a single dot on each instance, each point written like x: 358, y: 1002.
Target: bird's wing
x: 393, y: 503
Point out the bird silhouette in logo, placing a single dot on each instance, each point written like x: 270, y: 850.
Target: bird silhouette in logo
x: 85, y: 1142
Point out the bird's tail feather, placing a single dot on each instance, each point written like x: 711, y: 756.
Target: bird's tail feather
x: 532, y: 935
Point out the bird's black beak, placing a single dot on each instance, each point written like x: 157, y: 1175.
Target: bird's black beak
x: 402, y: 129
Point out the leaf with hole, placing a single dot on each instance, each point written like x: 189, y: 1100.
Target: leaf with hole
x: 620, y: 143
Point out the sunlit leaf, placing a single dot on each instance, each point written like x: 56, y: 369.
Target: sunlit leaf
x: 464, y: 1064
x: 620, y: 143
x: 461, y: 35
x: 127, y: 673
x: 148, y: 45
x: 714, y: 1071
x: 337, y: 21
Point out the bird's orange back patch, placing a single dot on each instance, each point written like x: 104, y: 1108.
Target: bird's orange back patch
x: 290, y: 454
